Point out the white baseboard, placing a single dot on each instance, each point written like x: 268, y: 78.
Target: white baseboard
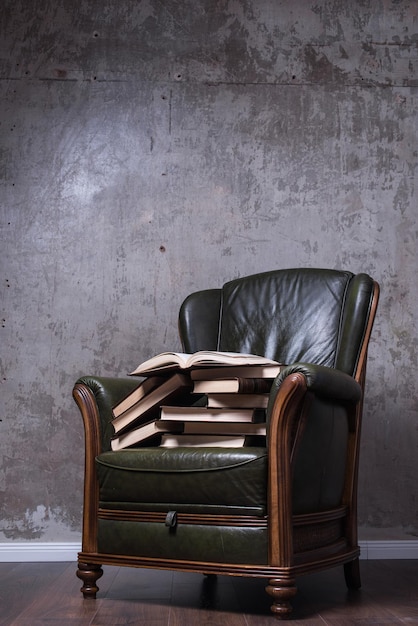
x: 29, y: 552
x: 34, y: 551
x: 396, y: 549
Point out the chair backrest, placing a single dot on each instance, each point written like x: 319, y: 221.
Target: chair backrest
x: 292, y: 315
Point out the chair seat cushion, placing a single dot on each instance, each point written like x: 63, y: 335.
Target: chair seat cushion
x: 190, y: 480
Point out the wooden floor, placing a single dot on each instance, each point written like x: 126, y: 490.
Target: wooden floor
x: 40, y: 594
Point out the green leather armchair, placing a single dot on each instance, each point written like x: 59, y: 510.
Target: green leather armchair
x: 273, y: 511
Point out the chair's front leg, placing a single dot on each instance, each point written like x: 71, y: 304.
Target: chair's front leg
x: 89, y: 574
x: 282, y: 593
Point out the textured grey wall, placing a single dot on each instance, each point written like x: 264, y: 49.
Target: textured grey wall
x: 152, y: 148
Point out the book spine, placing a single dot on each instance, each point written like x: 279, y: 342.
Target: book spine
x: 254, y: 385
x: 236, y: 385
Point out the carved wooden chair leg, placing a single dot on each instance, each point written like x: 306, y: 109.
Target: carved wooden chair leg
x: 89, y: 574
x: 352, y: 574
x: 281, y: 592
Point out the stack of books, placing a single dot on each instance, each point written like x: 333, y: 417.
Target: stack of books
x: 204, y: 399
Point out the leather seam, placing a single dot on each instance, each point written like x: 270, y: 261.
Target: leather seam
x: 341, y: 318
x: 179, y: 471
x: 221, y: 310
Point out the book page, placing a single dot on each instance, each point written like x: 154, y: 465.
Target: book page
x: 204, y: 358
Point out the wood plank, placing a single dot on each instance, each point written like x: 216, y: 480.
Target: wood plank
x: 35, y: 594
x: 136, y: 596
x: 394, y: 586
x: 207, y: 601
x: 22, y: 583
x: 59, y: 599
x: 326, y: 595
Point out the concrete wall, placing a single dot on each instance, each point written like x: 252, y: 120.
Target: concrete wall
x: 152, y: 148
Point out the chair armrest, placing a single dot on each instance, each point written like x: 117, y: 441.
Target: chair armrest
x: 322, y: 381
x: 313, y: 415
x: 95, y: 397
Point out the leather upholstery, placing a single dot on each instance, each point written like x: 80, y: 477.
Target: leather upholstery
x: 204, y: 306
x: 219, y: 481
x: 220, y: 544
x: 107, y: 393
x: 288, y: 315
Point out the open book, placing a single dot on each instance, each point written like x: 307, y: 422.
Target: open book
x: 205, y: 358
